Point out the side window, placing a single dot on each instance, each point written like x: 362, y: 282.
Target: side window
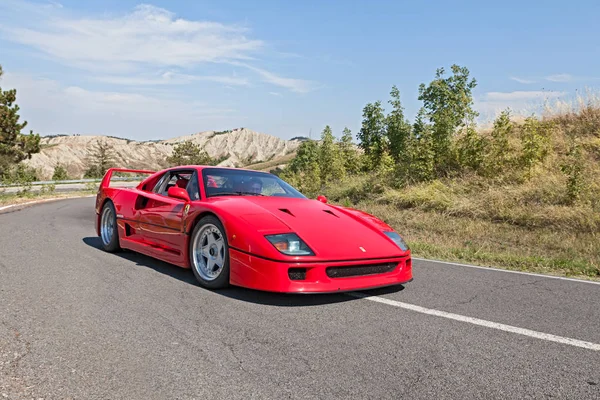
x: 192, y: 188
x: 161, y: 183
x: 174, y: 178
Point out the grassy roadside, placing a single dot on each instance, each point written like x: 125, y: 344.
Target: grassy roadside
x: 519, y: 227
x: 10, y: 199
x: 495, y: 244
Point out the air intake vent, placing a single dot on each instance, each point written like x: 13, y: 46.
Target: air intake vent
x: 330, y: 212
x: 129, y: 230
x: 360, y: 270
x: 297, y: 274
x: 285, y: 210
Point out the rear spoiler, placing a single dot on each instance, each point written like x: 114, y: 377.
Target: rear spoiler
x: 106, y: 180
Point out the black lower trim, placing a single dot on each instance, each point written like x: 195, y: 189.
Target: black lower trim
x: 355, y: 290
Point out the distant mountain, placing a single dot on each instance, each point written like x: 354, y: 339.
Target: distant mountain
x: 239, y: 147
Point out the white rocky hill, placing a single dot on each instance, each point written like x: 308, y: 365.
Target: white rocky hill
x: 239, y: 147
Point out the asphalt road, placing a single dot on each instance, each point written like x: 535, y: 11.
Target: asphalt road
x: 76, y: 322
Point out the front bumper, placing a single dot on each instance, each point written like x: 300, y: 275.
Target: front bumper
x: 254, y: 272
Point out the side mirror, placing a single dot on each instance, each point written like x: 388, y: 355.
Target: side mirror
x: 178, y: 193
x: 322, y: 199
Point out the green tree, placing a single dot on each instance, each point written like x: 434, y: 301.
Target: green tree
x: 372, y: 134
x: 448, y: 102
x: 303, y: 171
x: 307, y: 153
x: 21, y: 174
x: 535, y: 138
x: 349, y: 153
x: 331, y: 163
x: 398, y: 128
x: 421, y: 151
x: 101, y: 158
x: 307, y: 181
x: 499, y: 151
x: 385, y: 169
x: 60, y: 173
x: 14, y: 146
x: 189, y: 153
x: 573, y: 168
x: 471, y: 149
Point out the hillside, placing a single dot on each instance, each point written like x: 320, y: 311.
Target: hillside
x: 240, y: 146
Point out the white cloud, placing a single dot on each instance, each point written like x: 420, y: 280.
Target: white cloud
x: 130, y: 49
x: 522, y: 80
x: 559, y: 78
x: 148, y: 35
x: 295, y: 85
x: 275, y: 94
x: 520, y: 102
x: 52, y: 108
x: 520, y: 95
x: 171, y: 78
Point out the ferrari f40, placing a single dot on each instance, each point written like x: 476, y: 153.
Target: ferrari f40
x: 249, y: 228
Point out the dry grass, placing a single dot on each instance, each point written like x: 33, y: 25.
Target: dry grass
x: 523, y: 227
x: 544, y: 250
x: 507, y: 220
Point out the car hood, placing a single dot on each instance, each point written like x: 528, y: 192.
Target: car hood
x: 333, y: 233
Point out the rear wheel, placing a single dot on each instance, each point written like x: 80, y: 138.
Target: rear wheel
x: 109, y: 233
x: 209, y: 253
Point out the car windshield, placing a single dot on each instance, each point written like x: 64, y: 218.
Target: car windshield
x: 235, y: 182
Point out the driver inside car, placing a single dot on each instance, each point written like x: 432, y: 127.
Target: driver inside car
x: 254, y: 186
x: 251, y: 186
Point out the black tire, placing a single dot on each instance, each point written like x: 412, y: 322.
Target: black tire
x: 110, y: 242
x: 222, y: 279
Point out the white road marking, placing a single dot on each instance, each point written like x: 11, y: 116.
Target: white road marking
x: 480, y: 322
x: 562, y: 278
x: 42, y: 201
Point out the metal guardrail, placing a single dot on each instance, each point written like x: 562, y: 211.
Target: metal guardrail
x: 91, y: 180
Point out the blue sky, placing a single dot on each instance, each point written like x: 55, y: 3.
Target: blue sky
x: 168, y: 68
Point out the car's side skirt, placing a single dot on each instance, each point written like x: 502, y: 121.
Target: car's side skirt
x: 154, y: 251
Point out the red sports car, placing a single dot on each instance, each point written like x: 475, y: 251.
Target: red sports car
x: 251, y: 229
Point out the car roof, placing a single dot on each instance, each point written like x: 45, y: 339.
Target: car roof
x: 201, y: 167
x: 198, y: 168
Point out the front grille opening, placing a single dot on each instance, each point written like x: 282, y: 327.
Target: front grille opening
x: 360, y: 270
x: 297, y: 274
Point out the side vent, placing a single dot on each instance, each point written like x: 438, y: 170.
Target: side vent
x: 129, y: 230
x: 141, y: 202
x: 285, y: 210
x: 330, y: 212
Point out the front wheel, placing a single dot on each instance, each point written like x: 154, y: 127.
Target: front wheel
x: 109, y: 233
x: 209, y: 253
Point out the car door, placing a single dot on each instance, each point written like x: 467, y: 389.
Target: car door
x: 161, y: 217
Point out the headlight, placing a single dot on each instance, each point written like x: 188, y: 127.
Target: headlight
x: 397, y: 239
x: 290, y: 244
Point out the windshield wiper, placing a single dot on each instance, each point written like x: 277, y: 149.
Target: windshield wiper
x: 236, y: 194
